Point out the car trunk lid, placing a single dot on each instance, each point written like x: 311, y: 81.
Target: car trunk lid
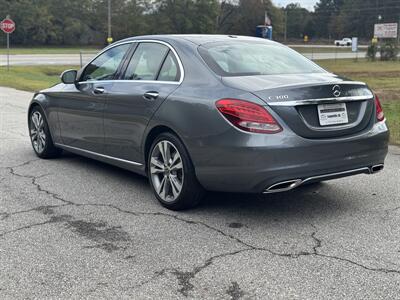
x: 297, y: 100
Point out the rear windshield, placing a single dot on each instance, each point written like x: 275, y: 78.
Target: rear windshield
x: 247, y: 59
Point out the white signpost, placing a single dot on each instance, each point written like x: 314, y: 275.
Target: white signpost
x: 386, y: 30
x: 8, y: 27
x: 354, y: 44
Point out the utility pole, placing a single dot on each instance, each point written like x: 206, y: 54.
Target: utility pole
x: 109, y: 37
x: 285, y: 32
x: 398, y: 32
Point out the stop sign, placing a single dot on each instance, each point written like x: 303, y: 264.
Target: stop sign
x: 7, y: 25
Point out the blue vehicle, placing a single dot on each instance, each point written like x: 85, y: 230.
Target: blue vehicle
x: 264, y: 31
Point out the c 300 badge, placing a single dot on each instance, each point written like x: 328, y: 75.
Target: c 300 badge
x: 278, y: 97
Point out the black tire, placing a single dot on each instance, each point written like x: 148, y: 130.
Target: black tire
x: 191, y: 192
x: 49, y: 150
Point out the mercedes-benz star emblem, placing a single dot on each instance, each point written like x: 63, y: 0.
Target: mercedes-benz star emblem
x: 336, y: 90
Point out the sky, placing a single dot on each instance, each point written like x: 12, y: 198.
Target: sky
x: 309, y: 4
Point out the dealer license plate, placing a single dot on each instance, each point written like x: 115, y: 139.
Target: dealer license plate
x: 332, y: 114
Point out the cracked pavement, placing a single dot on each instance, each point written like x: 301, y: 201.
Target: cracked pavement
x: 76, y: 228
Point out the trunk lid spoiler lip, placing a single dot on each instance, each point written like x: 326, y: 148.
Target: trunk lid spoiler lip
x: 317, y: 100
x: 315, y: 83
x: 320, y: 100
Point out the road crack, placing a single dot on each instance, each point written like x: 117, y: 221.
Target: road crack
x: 234, y: 291
x: 34, y: 182
x: 42, y: 208
x: 390, y: 211
x: 4, y: 233
x: 185, y: 277
x: 315, y: 252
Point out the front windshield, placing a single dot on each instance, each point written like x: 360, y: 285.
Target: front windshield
x: 250, y: 58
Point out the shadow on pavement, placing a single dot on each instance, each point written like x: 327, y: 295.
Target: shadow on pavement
x: 319, y: 198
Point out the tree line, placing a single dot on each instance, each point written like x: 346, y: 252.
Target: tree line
x: 84, y: 22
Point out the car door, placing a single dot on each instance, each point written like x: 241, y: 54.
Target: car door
x: 152, y: 73
x: 81, y: 107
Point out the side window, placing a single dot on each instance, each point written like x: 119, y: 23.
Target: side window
x: 106, y: 65
x: 169, y: 70
x: 146, y: 62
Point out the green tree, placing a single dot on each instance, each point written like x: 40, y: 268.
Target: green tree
x: 80, y: 22
x: 325, y: 11
x: 357, y: 17
x: 298, y: 21
x: 346, y: 18
x: 184, y: 16
x: 251, y: 13
x: 205, y: 16
x: 227, y: 15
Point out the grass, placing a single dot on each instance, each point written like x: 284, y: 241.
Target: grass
x: 392, y: 113
x: 31, y: 78
x: 326, y: 49
x: 332, y: 49
x: 48, y: 50
x: 382, y: 77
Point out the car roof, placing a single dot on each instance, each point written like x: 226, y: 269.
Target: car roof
x: 197, y: 39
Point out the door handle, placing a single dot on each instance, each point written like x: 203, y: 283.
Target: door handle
x: 99, y: 90
x: 150, y: 95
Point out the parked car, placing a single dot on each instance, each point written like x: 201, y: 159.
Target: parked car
x: 343, y: 42
x: 208, y: 112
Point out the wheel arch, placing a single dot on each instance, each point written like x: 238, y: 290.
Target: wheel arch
x: 37, y: 102
x: 152, y: 135
x: 39, y: 99
x: 34, y: 104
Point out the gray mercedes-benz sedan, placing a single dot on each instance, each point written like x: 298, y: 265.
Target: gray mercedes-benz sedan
x: 210, y: 112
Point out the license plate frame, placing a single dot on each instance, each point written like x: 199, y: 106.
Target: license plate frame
x: 332, y: 114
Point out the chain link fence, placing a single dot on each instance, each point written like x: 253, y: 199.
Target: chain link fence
x: 323, y: 52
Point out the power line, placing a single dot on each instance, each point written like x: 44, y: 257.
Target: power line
x: 397, y: 6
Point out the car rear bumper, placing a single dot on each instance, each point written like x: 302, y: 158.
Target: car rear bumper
x: 255, y: 162
x: 287, y: 185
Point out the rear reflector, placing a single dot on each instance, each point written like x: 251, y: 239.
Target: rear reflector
x: 379, y: 111
x: 248, y: 116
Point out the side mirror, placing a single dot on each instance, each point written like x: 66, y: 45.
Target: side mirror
x: 69, y: 76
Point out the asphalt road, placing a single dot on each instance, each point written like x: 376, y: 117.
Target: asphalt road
x: 324, y: 46
x: 74, y: 59
x: 40, y: 59
x: 45, y: 59
x: 75, y: 228
x: 333, y: 55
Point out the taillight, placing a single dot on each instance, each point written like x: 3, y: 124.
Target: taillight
x: 379, y: 111
x: 248, y: 116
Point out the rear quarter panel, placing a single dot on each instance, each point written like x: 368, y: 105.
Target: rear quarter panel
x: 191, y: 113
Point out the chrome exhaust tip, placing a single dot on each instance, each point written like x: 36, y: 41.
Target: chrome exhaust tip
x: 376, y: 168
x: 283, y: 186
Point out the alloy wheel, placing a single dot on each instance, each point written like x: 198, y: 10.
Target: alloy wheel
x: 37, y: 133
x: 166, y: 171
